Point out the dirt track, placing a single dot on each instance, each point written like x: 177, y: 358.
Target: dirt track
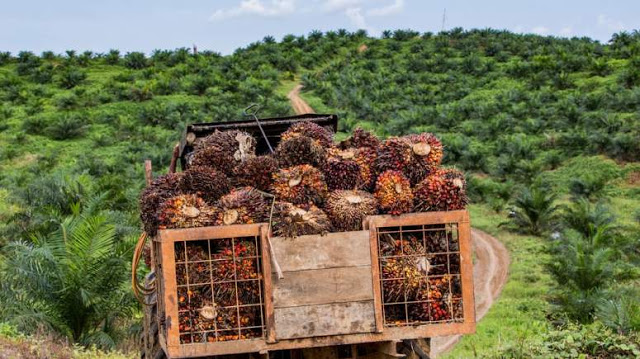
x: 491, y: 258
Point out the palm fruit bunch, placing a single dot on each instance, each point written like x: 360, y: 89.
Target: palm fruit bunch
x: 426, y: 155
x: 296, y: 220
x: 348, y: 208
x: 394, y: 154
x: 161, y: 189
x: 299, y: 150
x: 256, y: 172
x: 243, y: 205
x: 319, y: 134
x: 185, y: 211
x: 224, y: 150
x: 341, y: 170
x: 302, y: 184
x: 364, y: 145
x: 360, y: 138
x: 207, y: 182
x: 393, y: 192
x: 443, y: 190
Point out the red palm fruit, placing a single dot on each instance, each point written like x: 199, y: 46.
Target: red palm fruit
x: 366, y: 158
x: 443, y: 190
x: 257, y: 172
x: 321, y: 135
x: 291, y: 220
x: 161, y: 189
x: 223, y: 150
x: 302, y: 184
x: 341, y: 170
x: 426, y: 155
x: 347, y: 209
x: 393, y: 154
x: 300, y: 150
x: 360, y: 138
x: 207, y: 182
x: 186, y: 211
x: 243, y: 205
x: 393, y: 192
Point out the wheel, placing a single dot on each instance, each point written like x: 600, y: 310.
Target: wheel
x: 150, y: 343
x: 416, y: 348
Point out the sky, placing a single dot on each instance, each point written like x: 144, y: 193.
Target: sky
x: 225, y: 25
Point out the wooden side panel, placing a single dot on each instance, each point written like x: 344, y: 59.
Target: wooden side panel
x: 268, y: 284
x: 332, y: 285
x: 345, y: 249
x: 466, y: 271
x: 322, y: 320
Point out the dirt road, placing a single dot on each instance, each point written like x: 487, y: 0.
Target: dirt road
x: 299, y: 105
x: 491, y: 262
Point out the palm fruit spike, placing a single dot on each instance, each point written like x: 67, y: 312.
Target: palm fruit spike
x: 321, y: 135
x: 341, y: 170
x: 161, y: 189
x: 347, y: 209
x: 393, y: 192
x: 302, y: 184
x: 206, y: 182
x: 426, y: 152
x: 291, y: 221
x: 360, y: 138
x: 299, y: 150
x: 257, y: 172
x: 243, y: 205
x: 223, y: 150
x: 443, y: 190
x: 366, y: 158
x: 393, y: 154
x: 185, y: 211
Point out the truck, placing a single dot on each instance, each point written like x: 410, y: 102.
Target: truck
x: 315, y: 296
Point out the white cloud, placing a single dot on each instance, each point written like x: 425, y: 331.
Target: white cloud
x: 566, y: 31
x: 256, y: 7
x: 393, y: 8
x: 609, y: 23
x: 540, y: 30
x: 355, y: 15
x: 340, y: 5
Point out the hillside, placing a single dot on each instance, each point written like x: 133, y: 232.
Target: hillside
x: 522, y: 115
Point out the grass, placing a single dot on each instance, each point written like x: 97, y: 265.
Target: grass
x: 520, y: 310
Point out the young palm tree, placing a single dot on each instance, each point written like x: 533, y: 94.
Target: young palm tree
x: 534, y: 211
x: 72, y: 282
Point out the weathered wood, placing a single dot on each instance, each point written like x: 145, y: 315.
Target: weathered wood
x: 412, y: 219
x: 466, y: 269
x: 174, y: 158
x: 343, y: 249
x: 148, y: 172
x: 323, y: 286
x: 323, y: 320
x: 375, y: 278
x: 170, y: 295
x: 268, y: 285
x: 199, y: 233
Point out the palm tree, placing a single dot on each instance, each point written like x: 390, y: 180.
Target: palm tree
x: 72, y: 282
x: 533, y: 211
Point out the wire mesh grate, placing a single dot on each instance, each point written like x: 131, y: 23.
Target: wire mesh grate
x: 220, y: 289
x: 420, y: 274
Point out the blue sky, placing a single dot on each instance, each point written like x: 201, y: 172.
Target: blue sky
x: 225, y: 25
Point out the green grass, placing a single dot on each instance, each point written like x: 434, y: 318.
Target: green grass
x: 519, y: 312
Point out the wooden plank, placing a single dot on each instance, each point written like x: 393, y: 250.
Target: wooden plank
x: 343, y: 249
x: 466, y: 271
x: 322, y: 320
x: 375, y: 278
x: 268, y: 284
x: 199, y: 233
x: 323, y: 286
x: 170, y: 295
x: 412, y: 219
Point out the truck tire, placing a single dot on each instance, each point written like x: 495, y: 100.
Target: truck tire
x: 150, y: 344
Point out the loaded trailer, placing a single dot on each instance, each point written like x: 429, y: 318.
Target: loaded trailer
x: 238, y: 290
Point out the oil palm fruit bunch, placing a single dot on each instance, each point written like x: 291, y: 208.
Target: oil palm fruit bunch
x: 300, y: 150
x: 161, y: 189
x: 366, y: 158
x: 296, y: 220
x: 360, y: 138
x: 394, y: 154
x: 426, y: 155
x: 244, y: 205
x: 224, y: 150
x: 348, y: 208
x: 393, y: 192
x: 443, y: 190
x: 257, y: 172
x: 341, y: 170
x: 302, y: 184
x: 207, y: 182
x: 185, y: 211
x: 319, y: 134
